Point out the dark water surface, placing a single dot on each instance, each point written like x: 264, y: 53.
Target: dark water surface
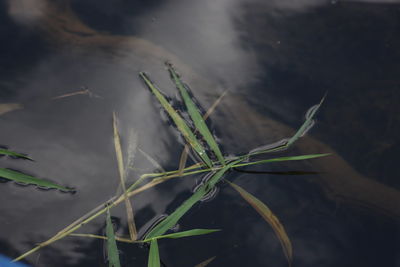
x: 276, y: 58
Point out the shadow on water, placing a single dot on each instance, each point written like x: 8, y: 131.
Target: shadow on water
x: 276, y: 59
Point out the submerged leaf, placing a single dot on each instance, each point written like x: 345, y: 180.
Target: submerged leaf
x: 179, y: 121
x: 188, y: 233
x: 8, y: 107
x: 154, y: 255
x: 174, y: 217
x: 13, y: 154
x: 269, y: 217
x: 27, y: 179
x: 206, y: 262
x: 112, y: 249
x: 122, y: 172
x: 195, y: 114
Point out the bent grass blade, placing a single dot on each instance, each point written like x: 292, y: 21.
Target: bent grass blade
x: 154, y: 255
x: 269, y: 217
x: 112, y: 249
x: 195, y: 114
x: 122, y: 172
x: 179, y: 122
x: 27, y: 179
x: 287, y: 142
x: 13, y: 154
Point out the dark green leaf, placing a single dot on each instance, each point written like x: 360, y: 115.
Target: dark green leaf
x: 112, y: 250
x: 13, y: 154
x: 27, y: 179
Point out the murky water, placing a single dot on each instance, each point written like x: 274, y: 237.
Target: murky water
x: 276, y: 58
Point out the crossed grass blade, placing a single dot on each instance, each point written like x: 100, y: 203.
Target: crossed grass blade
x: 185, y: 151
x: 195, y: 114
x: 269, y: 217
x: 174, y: 217
x: 27, y: 179
x: 178, y: 120
x: 122, y: 172
x: 13, y: 154
x: 112, y: 249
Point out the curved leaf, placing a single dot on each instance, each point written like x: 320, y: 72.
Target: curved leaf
x: 269, y: 217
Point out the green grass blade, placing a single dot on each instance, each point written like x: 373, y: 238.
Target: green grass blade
x: 285, y: 143
x: 179, y: 122
x: 302, y: 157
x: 112, y: 250
x: 13, y: 154
x: 269, y: 217
x: 154, y: 255
x: 188, y: 233
x: 174, y: 217
x: 195, y: 114
x: 27, y: 179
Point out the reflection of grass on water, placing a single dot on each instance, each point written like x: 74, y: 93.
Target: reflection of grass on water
x: 213, y: 164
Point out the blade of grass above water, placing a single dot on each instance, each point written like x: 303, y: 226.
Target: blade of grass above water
x: 302, y: 157
x: 13, y: 154
x: 185, y: 151
x: 179, y: 122
x: 188, y: 233
x: 27, y: 179
x: 269, y: 217
x: 174, y: 217
x: 195, y: 114
x: 154, y: 255
x: 122, y: 172
x: 112, y: 250
x: 286, y: 143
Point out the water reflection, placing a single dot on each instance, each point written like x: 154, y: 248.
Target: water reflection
x: 281, y: 55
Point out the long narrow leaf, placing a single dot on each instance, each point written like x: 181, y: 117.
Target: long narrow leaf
x: 13, y: 154
x: 154, y: 255
x: 195, y: 114
x: 122, y: 172
x: 179, y: 122
x: 112, y: 250
x: 27, y: 179
x: 287, y: 142
x: 174, y: 217
x: 269, y: 217
x: 302, y: 157
x: 188, y: 233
